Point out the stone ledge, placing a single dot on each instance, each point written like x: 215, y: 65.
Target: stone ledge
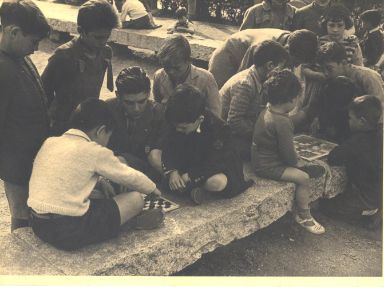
x: 186, y: 234
x: 208, y: 37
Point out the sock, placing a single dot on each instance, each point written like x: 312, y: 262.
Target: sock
x: 304, y: 213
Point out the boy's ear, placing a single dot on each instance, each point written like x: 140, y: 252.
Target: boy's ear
x: 101, y: 129
x: 14, y: 30
x: 270, y: 65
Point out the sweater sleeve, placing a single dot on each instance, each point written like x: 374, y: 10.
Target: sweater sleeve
x: 287, y: 152
x: 110, y: 167
x: 213, y: 96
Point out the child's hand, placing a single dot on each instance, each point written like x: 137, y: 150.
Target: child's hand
x: 186, y: 178
x: 156, y: 192
x: 176, y: 182
x: 107, y: 188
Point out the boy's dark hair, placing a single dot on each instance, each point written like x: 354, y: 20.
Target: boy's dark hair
x: 26, y: 15
x: 372, y: 17
x: 132, y: 80
x: 367, y: 107
x: 339, y: 91
x: 97, y: 14
x: 281, y: 87
x: 336, y: 13
x: 181, y: 12
x: 90, y: 114
x: 331, y: 52
x: 269, y: 50
x: 175, y: 46
x: 185, y: 105
x: 303, y: 45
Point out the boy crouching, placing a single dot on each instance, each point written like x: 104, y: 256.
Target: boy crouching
x: 65, y: 172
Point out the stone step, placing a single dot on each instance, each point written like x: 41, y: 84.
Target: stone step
x: 186, y: 234
x: 207, y: 38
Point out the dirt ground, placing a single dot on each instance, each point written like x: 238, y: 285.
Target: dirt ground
x: 282, y: 249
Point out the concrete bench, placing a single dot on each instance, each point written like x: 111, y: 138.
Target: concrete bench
x: 187, y: 233
x: 207, y: 38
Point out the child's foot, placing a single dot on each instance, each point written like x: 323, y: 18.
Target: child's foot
x: 310, y: 225
x: 156, y: 26
x: 198, y: 195
x: 148, y: 219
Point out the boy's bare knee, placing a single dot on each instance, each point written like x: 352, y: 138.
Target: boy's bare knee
x: 303, y: 179
x: 216, y: 183
x: 137, y: 199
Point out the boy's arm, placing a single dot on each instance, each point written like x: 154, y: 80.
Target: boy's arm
x: 248, y: 20
x: 358, y: 56
x: 110, y: 167
x: 286, y: 147
x: 156, y: 87
x: 374, y: 85
x: 213, y: 95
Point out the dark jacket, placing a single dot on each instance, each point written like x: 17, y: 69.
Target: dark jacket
x: 362, y: 155
x: 373, y: 47
x: 72, y: 76
x: 24, y: 121
x: 205, y: 154
x: 137, y: 137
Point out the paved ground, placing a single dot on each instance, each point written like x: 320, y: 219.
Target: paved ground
x: 282, y: 249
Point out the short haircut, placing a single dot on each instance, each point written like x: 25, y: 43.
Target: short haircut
x: 281, y: 87
x: 96, y: 15
x: 331, y: 52
x: 90, y: 114
x: 372, y: 17
x: 26, y: 15
x: 185, y: 105
x: 181, y: 12
x: 336, y: 13
x: 367, y: 107
x: 303, y: 45
x: 175, y: 47
x: 339, y: 91
x: 133, y: 80
x: 269, y: 50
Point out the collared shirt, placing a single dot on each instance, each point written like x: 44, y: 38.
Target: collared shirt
x: 24, y: 121
x: 246, y: 102
x: 163, y: 87
x: 263, y: 16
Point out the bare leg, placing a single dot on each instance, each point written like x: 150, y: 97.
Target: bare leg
x: 301, y: 178
x: 130, y: 204
x: 216, y: 183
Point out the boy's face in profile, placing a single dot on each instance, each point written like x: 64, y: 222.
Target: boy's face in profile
x: 333, y: 69
x: 188, y: 128
x: 134, y: 104
x: 23, y: 44
x: 96, y: 39
x: 355, y: 123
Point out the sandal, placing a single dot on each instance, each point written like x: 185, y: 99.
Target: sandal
x: 314, y: 227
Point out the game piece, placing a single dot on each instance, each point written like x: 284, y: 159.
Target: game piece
x: 151, y: 202
x: 311, y: 148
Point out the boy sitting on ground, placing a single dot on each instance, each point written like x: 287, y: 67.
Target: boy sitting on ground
x: 139, y: 16
x: 65, y: 172
x: 182, y: 24
x: 76, y: 69
x: 273, y: 152
x: 175, y: 58
x: 362, y: 155
x: 197, y: 154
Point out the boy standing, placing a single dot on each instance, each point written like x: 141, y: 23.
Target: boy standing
x: 65, y: 172
x: 76, y: 69
x: 24, y: 121
x: 362, y: 155
x: 198, y: 156
x: 175, y: 58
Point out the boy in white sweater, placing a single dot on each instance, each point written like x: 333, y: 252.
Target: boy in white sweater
x: 65, y: 172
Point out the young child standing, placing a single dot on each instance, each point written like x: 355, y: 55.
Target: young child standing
x: 138, y: 16
x: 76, y: 69
x: 182, y: 24
x: 198, y: 157
x: 65, y: 172
x: 273, y: 153
x: 24, y: 121
x: 362, y: 155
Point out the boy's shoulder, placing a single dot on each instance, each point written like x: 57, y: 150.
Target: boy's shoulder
x: 74, y: 49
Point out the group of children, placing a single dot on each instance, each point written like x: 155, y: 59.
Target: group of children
x: 83, y: 183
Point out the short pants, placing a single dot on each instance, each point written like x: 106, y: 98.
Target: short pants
x: 99, y: 223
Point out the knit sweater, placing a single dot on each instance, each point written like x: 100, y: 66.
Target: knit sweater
x: 66, y: 170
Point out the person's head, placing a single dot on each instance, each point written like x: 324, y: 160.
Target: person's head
x: 278, y: 3
x: 24, y: 25
x: 175, y: 57
x: 95, y: 21
x: 282, y: 89
x: 133, y: 89
x: 370, y: 19
x: 185, y: 109
x: 94, y: 118
x: 269, y: 55
x: 322, y: 3
x: 182, y: 14
x: 336, y: 21
x: 302, y: 46
x: 364, y: 113
x: 333, y: 57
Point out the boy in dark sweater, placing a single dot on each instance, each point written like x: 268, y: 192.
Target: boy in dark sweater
x: 362, y: 155
x: 197, y: 153
x: 76, y: 69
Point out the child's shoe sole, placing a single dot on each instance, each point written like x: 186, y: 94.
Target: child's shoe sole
x: 198, y: 195
x: 149, y: 219
x: 316, y: 228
